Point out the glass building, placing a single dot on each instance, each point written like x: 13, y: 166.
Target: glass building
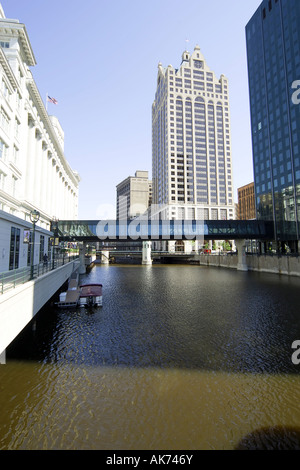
x: 273, y: 50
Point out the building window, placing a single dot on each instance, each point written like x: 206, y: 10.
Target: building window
x: 5, y: 90
x: 42, y: 247
x: 3, y: 150
x: 14, y: 248
x: 4, y: 120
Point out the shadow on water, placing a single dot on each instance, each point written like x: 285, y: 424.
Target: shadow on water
x: 273, y: 438
x: 173, y: 317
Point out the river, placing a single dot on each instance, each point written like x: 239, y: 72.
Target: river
x: 178, y: 357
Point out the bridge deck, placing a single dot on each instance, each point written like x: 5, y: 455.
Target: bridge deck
x: 139, y: 230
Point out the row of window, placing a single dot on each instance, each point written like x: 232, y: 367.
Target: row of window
x: 197, y: 85
x: 5, y: 122
x: 14, y: 250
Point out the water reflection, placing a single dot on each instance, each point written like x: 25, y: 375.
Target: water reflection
x: 179, y: 317
x: 177, y: 357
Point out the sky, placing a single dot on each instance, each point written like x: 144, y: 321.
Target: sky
x: 99, y: 58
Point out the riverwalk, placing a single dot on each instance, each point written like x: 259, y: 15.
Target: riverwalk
x: 20, y: 304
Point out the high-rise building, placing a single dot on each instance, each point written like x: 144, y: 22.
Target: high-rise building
x: 34, y: 172
x: 191, y: 145
x: 273, y: 49
x: 246, y: 202
x: 134, y: 195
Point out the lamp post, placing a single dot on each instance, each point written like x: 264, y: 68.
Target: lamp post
x: 34, y: 217
x: 54, y: 229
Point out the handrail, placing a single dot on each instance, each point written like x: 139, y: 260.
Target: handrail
x: 11, y: 279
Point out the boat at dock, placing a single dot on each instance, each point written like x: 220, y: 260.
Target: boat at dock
x: 90, y: 295
x: 87, y: 295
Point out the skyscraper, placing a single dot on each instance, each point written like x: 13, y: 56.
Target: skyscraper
x: 273, y: 49
x: 191, y: 145
x: 133, y: 195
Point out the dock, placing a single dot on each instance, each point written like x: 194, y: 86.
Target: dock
x: 71, y: 297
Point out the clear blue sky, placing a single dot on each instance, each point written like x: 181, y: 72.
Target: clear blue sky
x: 99, y: 59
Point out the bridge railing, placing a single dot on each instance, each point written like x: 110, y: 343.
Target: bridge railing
x: 11, y: 279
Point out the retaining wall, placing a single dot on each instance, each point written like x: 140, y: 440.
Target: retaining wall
x: 18, y: 306
x: 287, y: 265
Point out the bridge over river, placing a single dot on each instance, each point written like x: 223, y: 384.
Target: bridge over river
x: 151, y: 230
x: 148, y: 230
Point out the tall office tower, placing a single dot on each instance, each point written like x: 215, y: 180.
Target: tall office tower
x: 191, y: 148
x: 133, y: 196
x: 273, y: 48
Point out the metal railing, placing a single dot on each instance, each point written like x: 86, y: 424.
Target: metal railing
x: 11, y: 279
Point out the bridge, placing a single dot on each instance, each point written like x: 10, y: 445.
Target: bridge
x: 147, y: 230
x: 153, y: 230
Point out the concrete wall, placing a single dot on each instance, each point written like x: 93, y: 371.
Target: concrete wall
x: 20, y: 305
x: 287, y: 265
x: 224, y: 261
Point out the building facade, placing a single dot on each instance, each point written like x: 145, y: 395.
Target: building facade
x: 191, y: 144
x: 246, y: 202
x: 273, y: 50
x: 134, y: 195
x: 34, y: 172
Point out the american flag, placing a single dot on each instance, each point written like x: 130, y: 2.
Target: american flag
x: 52, y: 100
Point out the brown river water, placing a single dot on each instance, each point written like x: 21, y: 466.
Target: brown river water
x: 178, y: 357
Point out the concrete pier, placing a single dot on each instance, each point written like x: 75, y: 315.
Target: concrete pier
x: 146, y: 255
x: 241, y: 249
x: 82, y: 252
x: 104, y: 257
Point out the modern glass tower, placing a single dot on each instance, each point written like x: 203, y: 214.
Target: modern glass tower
x: 191, y: 144
x: 273, y: 49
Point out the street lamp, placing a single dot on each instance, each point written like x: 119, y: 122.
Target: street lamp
x: 54, y: 229
x: 34, y: 217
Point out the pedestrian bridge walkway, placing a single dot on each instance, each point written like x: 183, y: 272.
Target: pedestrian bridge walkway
x: 137, y: 229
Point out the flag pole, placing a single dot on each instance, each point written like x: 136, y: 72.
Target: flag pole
x: 47, y: 102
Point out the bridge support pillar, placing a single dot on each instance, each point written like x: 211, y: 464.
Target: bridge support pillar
x: 146, y: 256
x: 241, y: 248
x: 104, y: 257
x: 82, y: 267
x: 3, y: 357
x: 171, y: 246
